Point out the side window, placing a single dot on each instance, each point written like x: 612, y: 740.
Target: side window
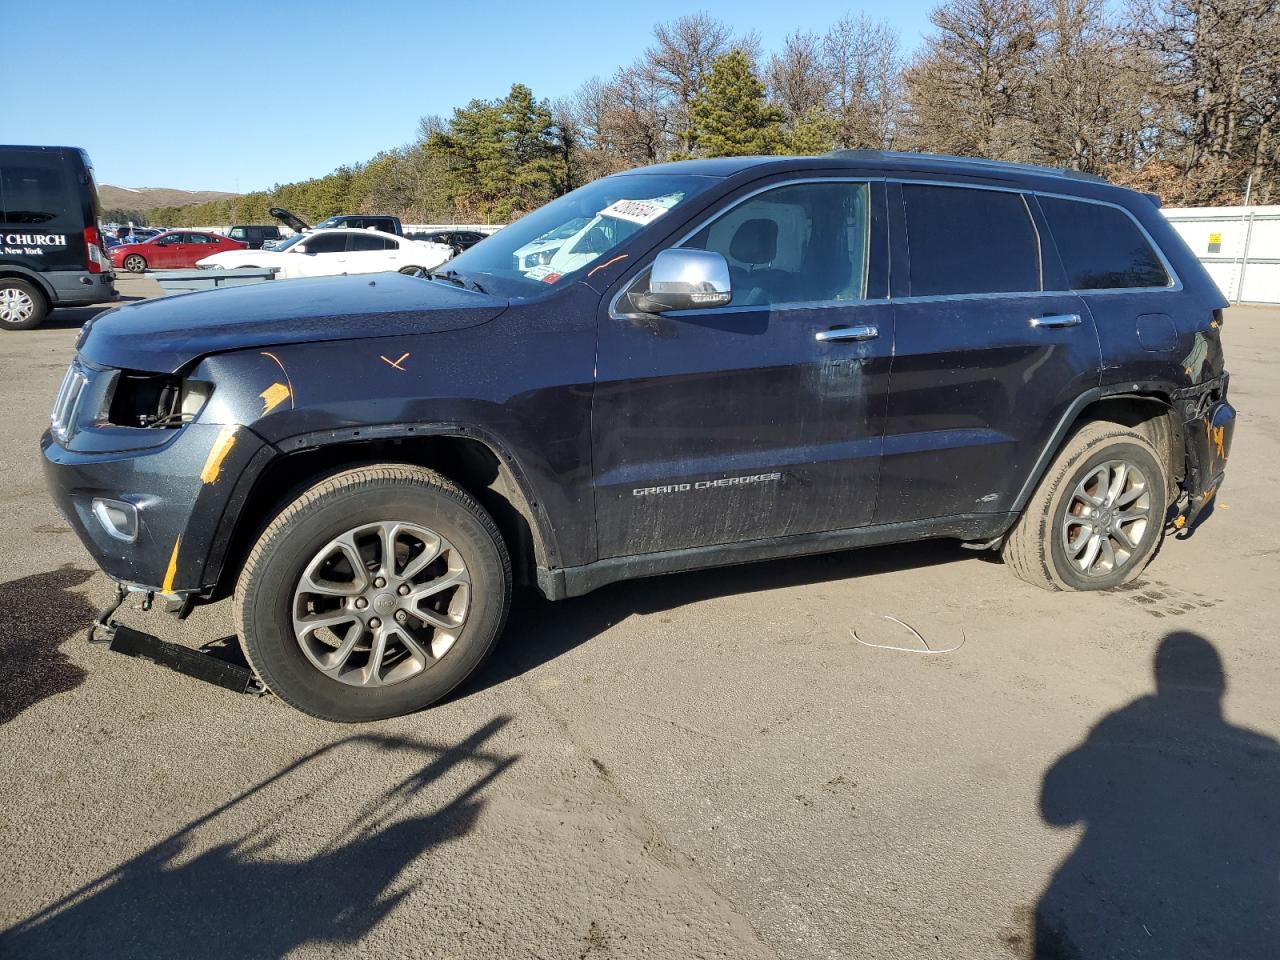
x: 1101, y: 247
x: 327, y: 243
x: 199, y: 238
x: 964, y: 240
x: 800, y: 243
x: 170, y: 239
x: 36, y: 189
x: 237, y: 233
x: 364, y: 242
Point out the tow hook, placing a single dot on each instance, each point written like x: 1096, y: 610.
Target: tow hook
x: 192, y: 663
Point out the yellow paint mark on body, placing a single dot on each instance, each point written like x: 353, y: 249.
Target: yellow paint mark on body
x: 172, y: 571
x: 273, y: 396
x: 396, y: 363
x: 221, y: 447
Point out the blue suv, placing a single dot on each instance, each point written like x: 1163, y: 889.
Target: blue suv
x: 709, y: 362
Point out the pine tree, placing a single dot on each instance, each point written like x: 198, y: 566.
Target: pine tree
x: 731, y: 117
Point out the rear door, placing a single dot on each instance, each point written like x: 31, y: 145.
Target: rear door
x: 991, y: 349
x: 370, y: 253
x: 737, y: 423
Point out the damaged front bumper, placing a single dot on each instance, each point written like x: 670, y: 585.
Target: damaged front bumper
x: 1208, y: 424
x: 179, y: 493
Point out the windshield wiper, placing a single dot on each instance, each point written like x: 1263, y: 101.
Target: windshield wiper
x: 453, y: 276
x: 448, y: 278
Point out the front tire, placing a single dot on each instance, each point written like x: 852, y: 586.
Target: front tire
x: 135, y: 263
x: 22, y: 306
x: 1097, y: 517
x: 373, y: 594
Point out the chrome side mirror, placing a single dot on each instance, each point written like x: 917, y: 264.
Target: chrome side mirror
x: 685, y: 279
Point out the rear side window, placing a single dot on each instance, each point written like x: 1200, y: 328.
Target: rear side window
x: 963, y: 240
x: 369, y: 242
x: 1101, y: 247
x: 36, y: 188
x: 327, y: 243
x: 237, y: 233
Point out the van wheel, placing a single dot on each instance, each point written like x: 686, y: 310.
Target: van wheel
x: 22, y: 306
x: 1098, y: 515
x: 135, y: 263
x: 373, y: 594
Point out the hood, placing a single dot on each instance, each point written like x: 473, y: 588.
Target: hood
x: 290, y: 220
x: 166, y: 334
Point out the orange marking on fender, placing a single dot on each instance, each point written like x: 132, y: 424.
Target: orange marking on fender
x: 221, y: 447
x: 395, y: 363
x: 172, y: 571
x: 273, y: 396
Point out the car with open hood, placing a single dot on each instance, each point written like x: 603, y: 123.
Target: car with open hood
x: 720, y: 361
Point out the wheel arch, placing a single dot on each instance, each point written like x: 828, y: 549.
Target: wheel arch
x: 14, y: 272
x: 475, y: 461
x: 1149, y: 409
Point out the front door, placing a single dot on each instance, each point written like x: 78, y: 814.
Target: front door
x: 762, y: 418
x: 991, y: 350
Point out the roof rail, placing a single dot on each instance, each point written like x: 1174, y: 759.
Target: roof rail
x: 993, y: 165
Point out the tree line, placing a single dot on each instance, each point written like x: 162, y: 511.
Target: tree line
x: 1178, y: 97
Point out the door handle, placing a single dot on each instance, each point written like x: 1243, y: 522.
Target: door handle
x: 1057, y: 320
x: 867, y: 331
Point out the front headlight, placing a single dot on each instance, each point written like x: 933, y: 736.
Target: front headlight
x: 156, y: 400
x: 62, y: 419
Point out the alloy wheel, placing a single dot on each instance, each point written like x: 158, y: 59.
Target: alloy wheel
x: 1106, y: 518
x: 380, y: 603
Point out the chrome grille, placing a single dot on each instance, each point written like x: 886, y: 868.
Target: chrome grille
x: 64, y: 407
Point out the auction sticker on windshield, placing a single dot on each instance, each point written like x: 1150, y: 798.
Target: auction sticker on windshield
x: 637, y: 211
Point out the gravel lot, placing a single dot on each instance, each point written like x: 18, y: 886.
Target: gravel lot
x: 706, y: 765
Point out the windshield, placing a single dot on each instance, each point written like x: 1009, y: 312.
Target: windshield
x: 580, y: 228
x: 286, y: 244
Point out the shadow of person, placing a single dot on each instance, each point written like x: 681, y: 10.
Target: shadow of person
x: 1181, y: 849
x: 259, y: 897
x: 39, y: 613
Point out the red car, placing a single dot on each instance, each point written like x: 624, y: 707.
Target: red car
x: 175, y: 249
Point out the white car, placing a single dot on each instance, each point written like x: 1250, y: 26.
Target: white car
x: 326, y: 253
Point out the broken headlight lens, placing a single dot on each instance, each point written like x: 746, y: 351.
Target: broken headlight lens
x: 155, y: 400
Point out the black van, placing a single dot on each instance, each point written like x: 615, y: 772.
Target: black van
x: 253, y: 234
x: 51, y: 252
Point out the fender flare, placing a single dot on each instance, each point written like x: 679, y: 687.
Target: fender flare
x: 530, y: 506
x: 13, y: 270
x: 1068, y: 420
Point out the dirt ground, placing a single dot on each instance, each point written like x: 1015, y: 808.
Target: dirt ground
x: 705, y: 765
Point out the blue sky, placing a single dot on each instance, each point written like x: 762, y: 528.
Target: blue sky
x: 231, y: 95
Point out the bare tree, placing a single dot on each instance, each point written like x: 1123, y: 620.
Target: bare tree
x: 797, y: 76
x: 679, y: 60
x: 863, y: 68
x: 970, y: 89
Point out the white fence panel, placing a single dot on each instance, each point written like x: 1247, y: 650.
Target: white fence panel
x: 1239, y: 247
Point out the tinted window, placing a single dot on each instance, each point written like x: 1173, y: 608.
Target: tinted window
x: 327, y: 243
x: 36, y: 188
x: 369, y: 242
x: 969, y: 241
x: 237, y: 233
x: 1101, y: 247
x: 200, y: 238
x: 170, y: 238
x: 803, y: 243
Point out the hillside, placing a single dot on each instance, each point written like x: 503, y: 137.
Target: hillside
x: 148, y: 198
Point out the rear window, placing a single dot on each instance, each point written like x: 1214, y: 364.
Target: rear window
x: 35, y: 188
x: 963, y: 240
x: 1101, y: 247
x: 370, y: 242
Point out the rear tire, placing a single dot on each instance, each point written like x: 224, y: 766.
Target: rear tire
x: 135, y: 263
x: 395, y: 662
x: 22, y: 306
x: 1097, y: 517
